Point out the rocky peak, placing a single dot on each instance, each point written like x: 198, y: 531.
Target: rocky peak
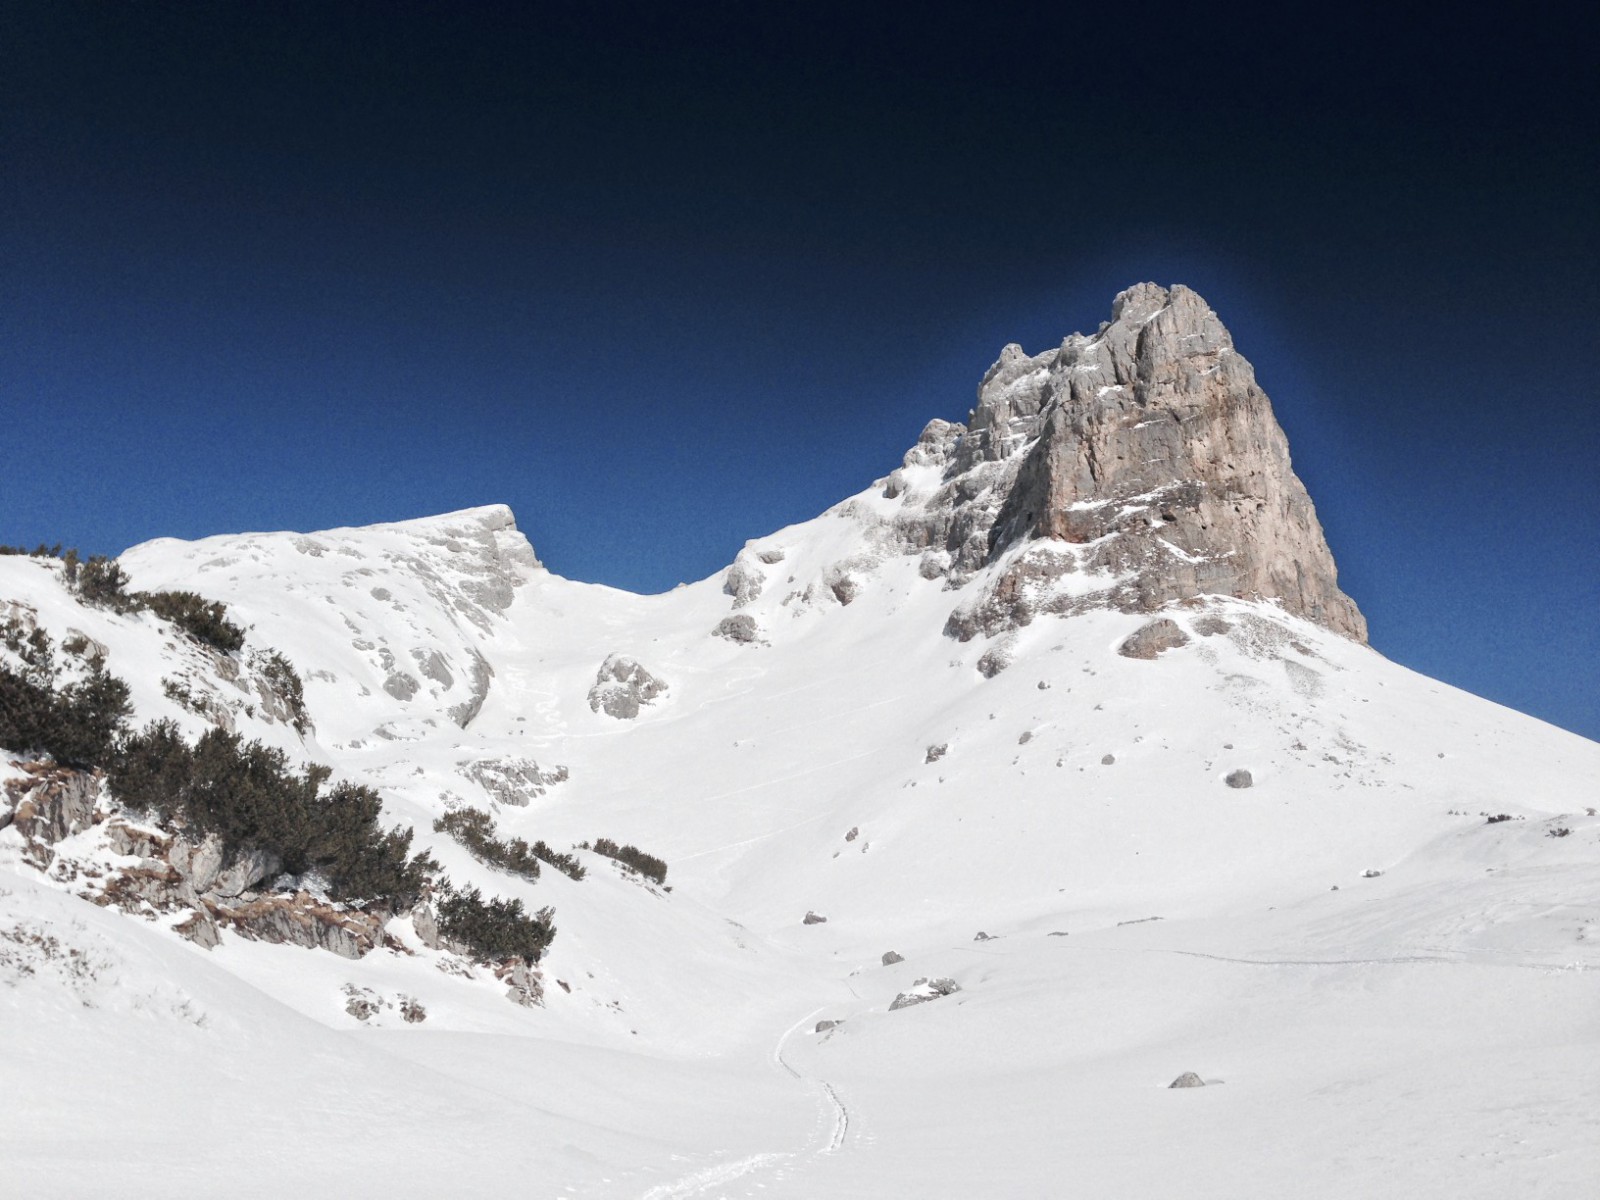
x: 1143, y: 460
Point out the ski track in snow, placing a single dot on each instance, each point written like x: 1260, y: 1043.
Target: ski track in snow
x: 695, y: 1184
x: 1396, y: 960
x: 834, y: 1114
x: 840, y: 1114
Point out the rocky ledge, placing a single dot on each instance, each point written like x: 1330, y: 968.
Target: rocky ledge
x: 201, y: 888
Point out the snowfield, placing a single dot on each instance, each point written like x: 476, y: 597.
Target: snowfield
x: 1386, y: 995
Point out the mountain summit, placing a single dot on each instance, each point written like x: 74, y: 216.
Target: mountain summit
x: 1126, y: 469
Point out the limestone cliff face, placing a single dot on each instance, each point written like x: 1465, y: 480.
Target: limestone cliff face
x: 1132, y: 468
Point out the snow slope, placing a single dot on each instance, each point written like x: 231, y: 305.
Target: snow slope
x: 1397, y: 998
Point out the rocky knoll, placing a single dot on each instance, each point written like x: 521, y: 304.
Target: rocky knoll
x: 1131, y: 468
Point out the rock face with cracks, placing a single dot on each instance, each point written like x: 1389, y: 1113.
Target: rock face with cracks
x: 1127, y: 469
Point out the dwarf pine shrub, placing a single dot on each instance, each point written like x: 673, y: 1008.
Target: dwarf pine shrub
x: 474, y: 829
x: 631, y: 857
x: 495, y: 929
x: 76, y: 723
x: 204, y: 620
x: 247, y: 795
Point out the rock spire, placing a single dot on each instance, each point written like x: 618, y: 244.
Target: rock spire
x: 1142, y: 461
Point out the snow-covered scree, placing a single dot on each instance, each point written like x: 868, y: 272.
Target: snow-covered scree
x: 1242, y: 846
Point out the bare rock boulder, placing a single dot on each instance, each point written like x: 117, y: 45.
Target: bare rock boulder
x: 247, y: 869
x: 1239, y: 779
x: 1150, y: 639
x: 741, y: 628
x: 622, y: 687
x: 524, y: 982
x: 51, y: 803
x: 812, y: 918
x: 745, y: 578
x: 1187, y: 1080
x: 924, y: 990
x: 200, y: 929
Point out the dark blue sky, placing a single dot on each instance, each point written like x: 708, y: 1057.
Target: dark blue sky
x: 665, y: 278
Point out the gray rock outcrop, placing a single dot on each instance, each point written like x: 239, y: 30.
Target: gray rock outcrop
x: 301, y: 919
x: 524, y: 982
x: 1187, y: 1080
x: 200, y: 929
x: 1142, y: 461
x: 924, y: 990
x: 890, y: 957
x: 744, y: 579
x: 1150, y: 639
x: 812, y: 918
x: 512, y: 781
x: 1239, y: 779
x: 51, y: 803
x: 622, y: 687
x: 741, y: 627
x: 482, y: 675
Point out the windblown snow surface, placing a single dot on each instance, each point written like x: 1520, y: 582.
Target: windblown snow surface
x: 1386, y: 995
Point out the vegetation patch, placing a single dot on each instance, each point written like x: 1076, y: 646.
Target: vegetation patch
x: 631, y: 857
x: 39, y: 551
x: 101, y: 582
x: 247, y: 795
x: 204, y: 620
x: 495, y: 929
x: 75, y: 723
x: 475, y: 830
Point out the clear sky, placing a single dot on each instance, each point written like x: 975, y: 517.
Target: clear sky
x: 666, y: 277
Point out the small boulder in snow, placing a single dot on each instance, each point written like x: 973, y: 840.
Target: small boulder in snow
x: 812, y: 918
x: 1239, y: 779
x: 891, y: 957
x: 996, y: 659
x: 362, y: 1003
x: 935, y: 753
x: 741, y: 628
x: 924, y: 990
x: 824, y: 1026
x: 201, y: 930
x: 1187, y: 1080
x: 1151, y: 639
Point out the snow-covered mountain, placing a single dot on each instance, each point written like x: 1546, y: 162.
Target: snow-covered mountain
x: 1066, y: 718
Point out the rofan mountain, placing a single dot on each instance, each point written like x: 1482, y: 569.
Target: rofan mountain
x: 1081, y: 662
x: 1143, y: 458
